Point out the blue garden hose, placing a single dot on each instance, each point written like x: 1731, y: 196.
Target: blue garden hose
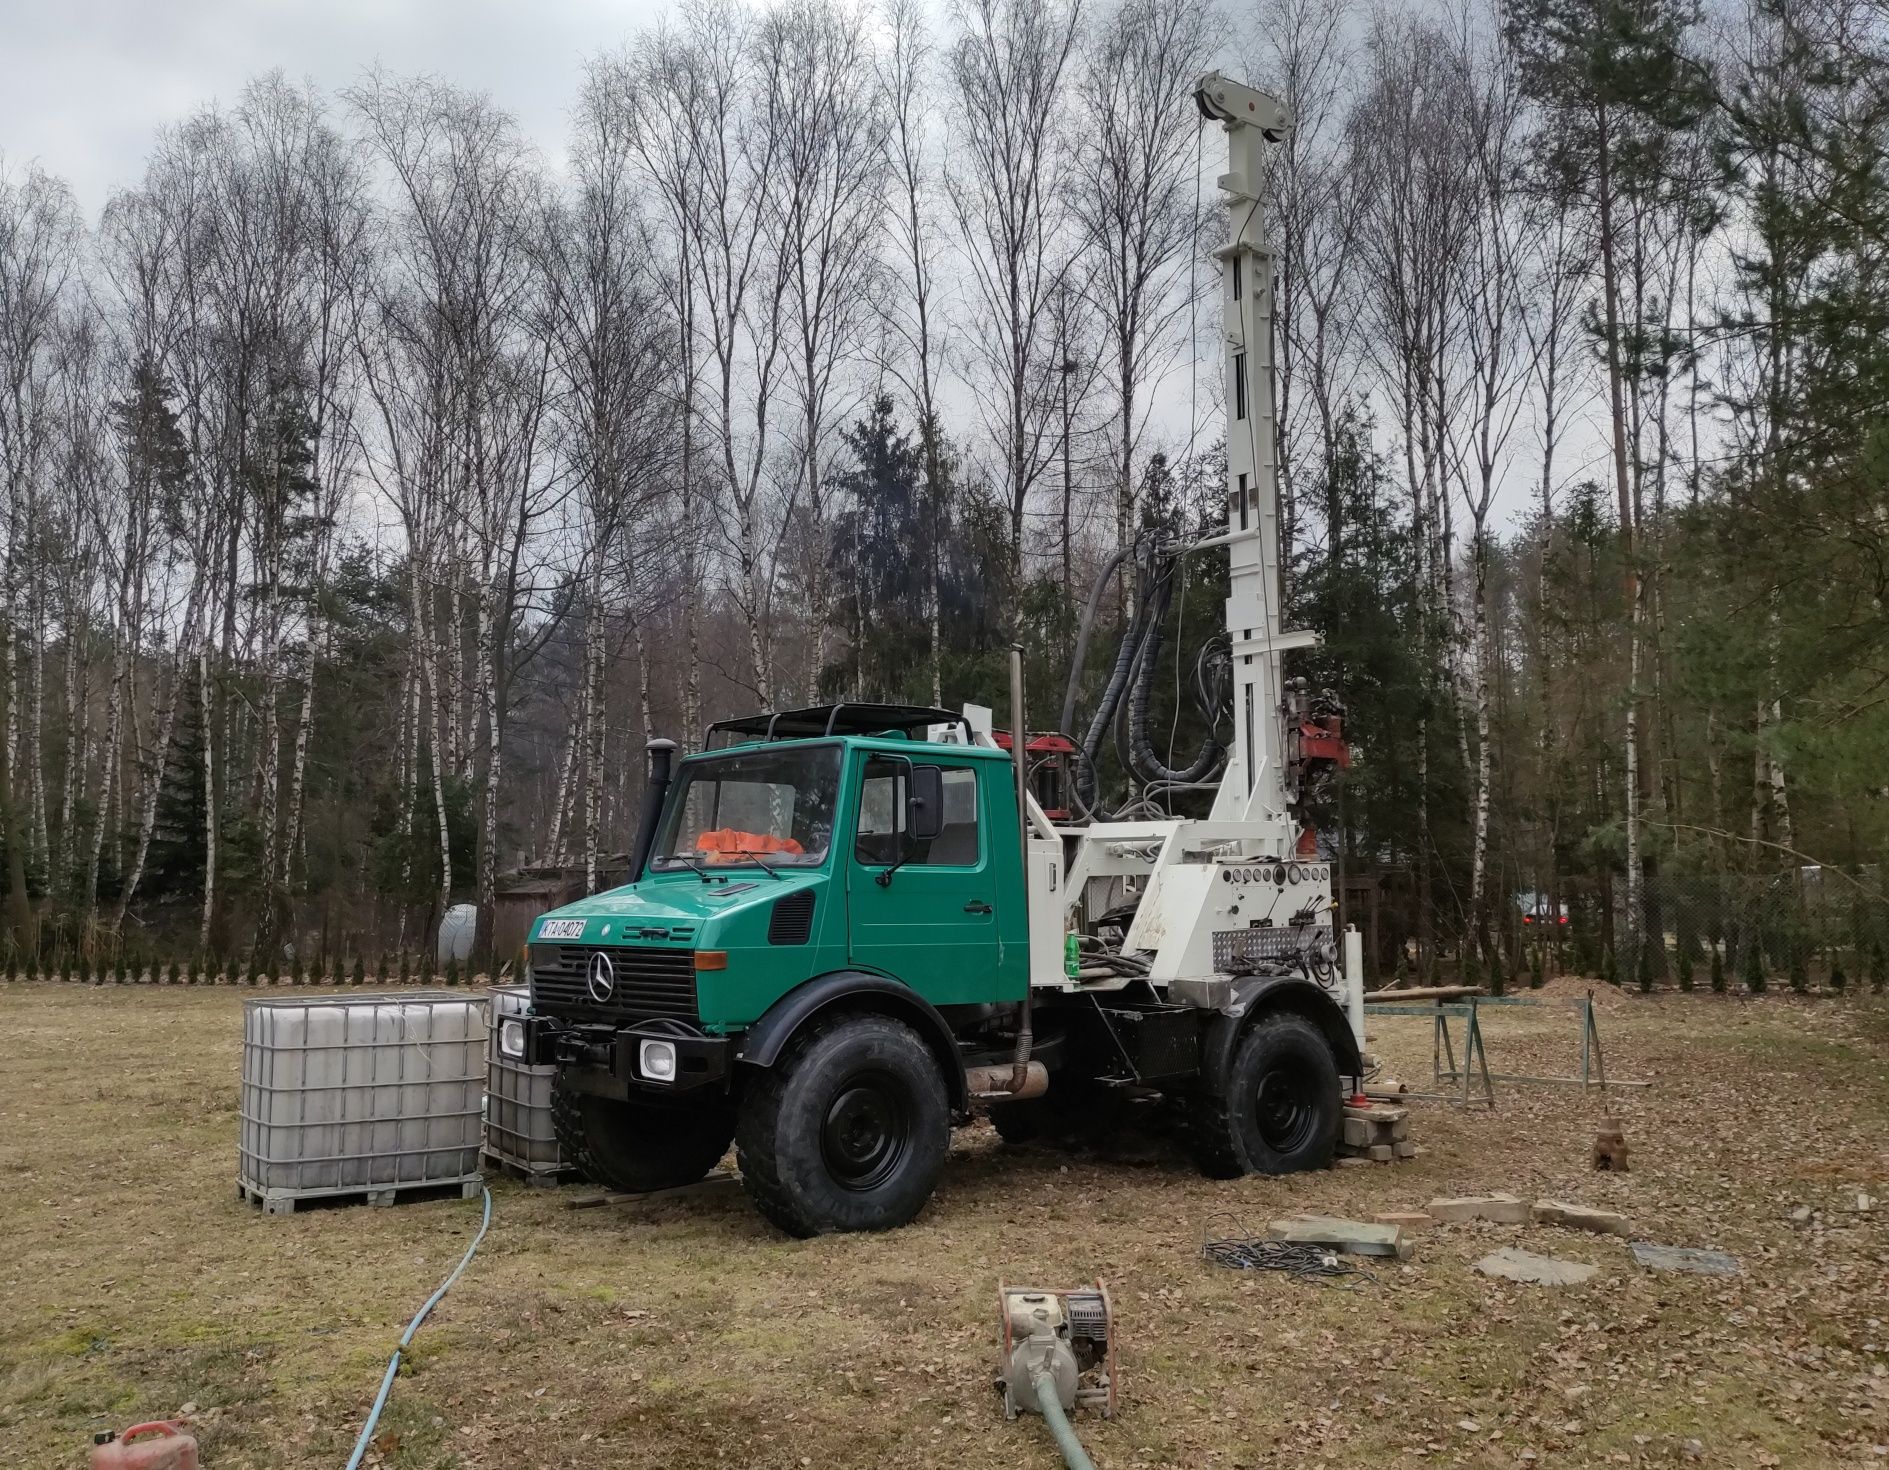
x: 393, y: 1363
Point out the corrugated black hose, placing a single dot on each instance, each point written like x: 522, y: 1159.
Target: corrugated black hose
x: 1144, y: 761
x: 1086, y: 780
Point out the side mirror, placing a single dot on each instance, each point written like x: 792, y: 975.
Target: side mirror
x: 924, y: 803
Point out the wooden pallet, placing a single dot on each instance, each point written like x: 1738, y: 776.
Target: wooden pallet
x: 287, y: 1202
x: 538, y: 1176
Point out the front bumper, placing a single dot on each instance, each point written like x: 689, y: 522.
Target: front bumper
x: 602, y: 1059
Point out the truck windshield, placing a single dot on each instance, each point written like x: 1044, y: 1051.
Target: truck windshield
x: 771, y: 807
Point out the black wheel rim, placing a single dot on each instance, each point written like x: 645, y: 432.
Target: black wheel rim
x: 867, y: 1131
x: 1285, y: 1109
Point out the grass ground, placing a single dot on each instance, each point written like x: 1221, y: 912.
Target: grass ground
x: 691, y: 1335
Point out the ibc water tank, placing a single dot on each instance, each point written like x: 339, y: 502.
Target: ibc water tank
x: 455, y: 933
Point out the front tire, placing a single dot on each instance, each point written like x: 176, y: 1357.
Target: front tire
x: 634, y: 1147
x: 847, y: 1131
x: 1280, y: 1111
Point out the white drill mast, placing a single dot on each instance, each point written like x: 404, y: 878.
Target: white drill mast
x: 1253, y: 788
x: 1207, y: 892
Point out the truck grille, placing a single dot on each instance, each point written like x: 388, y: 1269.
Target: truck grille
x: 649, y: 981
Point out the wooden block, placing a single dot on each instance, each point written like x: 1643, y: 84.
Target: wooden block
x: 1359, y: 1133
x: 1404, y: 1149
x: 1405, y: 1220
x: 1501, y: 1209
x: 1353, y: 1236
x: 1580, y: 1217
x: 1380, y: 1153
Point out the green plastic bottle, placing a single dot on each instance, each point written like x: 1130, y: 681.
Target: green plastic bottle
x: 1072, y: 956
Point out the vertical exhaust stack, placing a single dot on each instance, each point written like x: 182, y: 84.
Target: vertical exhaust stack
x: 659, y: 756
x: 1019, y: 759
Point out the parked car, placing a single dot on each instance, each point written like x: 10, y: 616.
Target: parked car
x: 1540, y: 912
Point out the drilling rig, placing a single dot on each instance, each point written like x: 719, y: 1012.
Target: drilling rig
x: 851, y: 926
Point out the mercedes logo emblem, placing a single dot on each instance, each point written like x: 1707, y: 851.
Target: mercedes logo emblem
x: 601, y: 978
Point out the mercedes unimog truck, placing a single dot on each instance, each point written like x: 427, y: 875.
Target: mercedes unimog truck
x: 849, y: 928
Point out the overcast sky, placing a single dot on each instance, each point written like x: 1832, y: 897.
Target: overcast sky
x: 84, y: 84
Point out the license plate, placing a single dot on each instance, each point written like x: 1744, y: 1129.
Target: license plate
x: 562, y: 929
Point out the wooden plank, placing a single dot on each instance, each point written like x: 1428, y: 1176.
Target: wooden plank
x: 715, y: 1183
x: 1429, y: 992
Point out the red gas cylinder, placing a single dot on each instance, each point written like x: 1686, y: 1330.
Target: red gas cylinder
x: 160, y: 1445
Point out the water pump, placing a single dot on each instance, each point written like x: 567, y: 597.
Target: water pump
x: 1056, y: 1351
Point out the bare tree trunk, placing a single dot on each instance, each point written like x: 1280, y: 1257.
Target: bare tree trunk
x: 490, y: 631
x: 206, y: 929
x: 298, y: 769
x: 430, y: 665
x: 593, y: 728
x: 160, y: 752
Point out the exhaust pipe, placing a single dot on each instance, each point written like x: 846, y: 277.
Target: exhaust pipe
x: 1019, y: 759
x: 995, y: 1082
x: 659, y: 755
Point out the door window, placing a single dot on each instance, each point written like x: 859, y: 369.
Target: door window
x: 882, y: 839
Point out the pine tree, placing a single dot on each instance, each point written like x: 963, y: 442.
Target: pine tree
x: 1799, y: 970
x: 1839, y: 982
x: 1878, y: 970
x: 1754, y: 966
x: 1718, y: 970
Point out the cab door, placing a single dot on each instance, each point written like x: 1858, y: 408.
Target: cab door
x: 923, y: 908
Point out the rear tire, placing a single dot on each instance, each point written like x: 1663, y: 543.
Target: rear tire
x: 1280, y: 1112
x: 633, y: 1147
x: 847, y: 1130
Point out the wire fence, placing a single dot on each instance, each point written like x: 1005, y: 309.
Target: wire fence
x: 1807, y: 927
x: 1802, y: 928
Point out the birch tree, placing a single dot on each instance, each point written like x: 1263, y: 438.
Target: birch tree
x: 1009, y: 66
x: 1134, y: 193
x: 907, y: 72
x: 824, y: 115
x: 613, y: 336
x: 39, y: 237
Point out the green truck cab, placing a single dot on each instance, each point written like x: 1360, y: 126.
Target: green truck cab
x: 824, y: 948
x: 862, y: 871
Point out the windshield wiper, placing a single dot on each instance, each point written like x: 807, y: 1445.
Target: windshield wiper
x: 762, y: 866
x: 700, y: 872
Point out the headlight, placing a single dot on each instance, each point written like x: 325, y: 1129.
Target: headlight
x: 656, y: 1060
x: 511, y: 1038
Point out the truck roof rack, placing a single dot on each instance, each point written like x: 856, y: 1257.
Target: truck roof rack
x: 838, y: 719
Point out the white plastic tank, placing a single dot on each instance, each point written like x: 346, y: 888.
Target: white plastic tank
x: 456, y: 933
x: 518, y: 1129
x: 365, y: 1095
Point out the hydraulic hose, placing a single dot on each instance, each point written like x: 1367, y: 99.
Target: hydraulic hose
x: 1143, y: 759
x: 406, y: 1338
x: 1074, y: 685
x: 1073, y: 1454
x: 1105, y: 710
